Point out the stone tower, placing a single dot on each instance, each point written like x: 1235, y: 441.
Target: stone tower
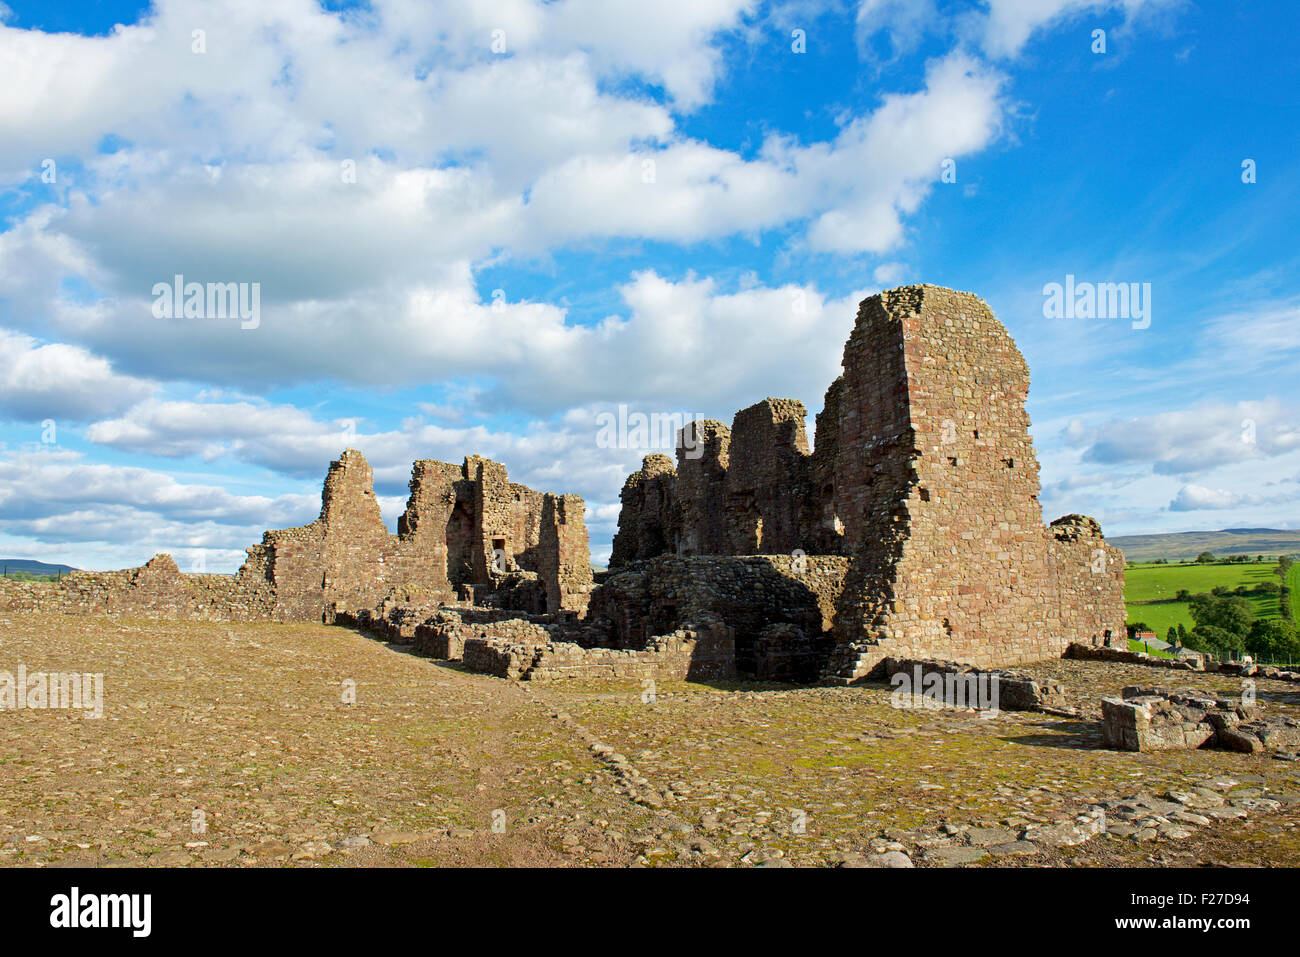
x: 936, y: 485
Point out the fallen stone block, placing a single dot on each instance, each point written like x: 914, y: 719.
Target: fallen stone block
x: 1150, y: 723
x: 1155, y: 719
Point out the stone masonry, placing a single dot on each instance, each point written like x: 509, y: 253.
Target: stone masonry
x: 923, y: 474
x: 467, y: 532
x: 911, y: 531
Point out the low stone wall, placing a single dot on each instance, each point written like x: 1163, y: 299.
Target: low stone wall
x: 445, y: 633
x: 1244, y: 669
x: 395, y: 618
x: 681, y: 655
x: 953, y: 682
x: 157, y: 589
x: 1082, y: 652
x: 1239, y: 669
x: 1155, y: 719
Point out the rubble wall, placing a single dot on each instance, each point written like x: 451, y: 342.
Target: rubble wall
x: 157, y: 589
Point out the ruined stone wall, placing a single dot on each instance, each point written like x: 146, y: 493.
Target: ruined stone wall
x: 157, y: 589
x: 346, y: 561
x: 703, y: 455
x: 752, y: 489
x: 821, y: 522
x: 287, y: 562
x: 745, y: 490
x: 541, y: 648
x: 456, y: 519
x: 356, y: 545
x: 427, y: 531
x: 924, y: 473
x: 339, y: 560
x: 1090, y: 603
x: 936, y: 483
x: 682, y: 655
x: 740, y: 596
x: 565, y: 560
x: 768, y: 479
x: 647, y: 520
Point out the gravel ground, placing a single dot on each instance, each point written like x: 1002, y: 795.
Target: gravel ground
x: 232, y: 744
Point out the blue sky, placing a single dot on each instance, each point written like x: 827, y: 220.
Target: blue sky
x: 476, y: 227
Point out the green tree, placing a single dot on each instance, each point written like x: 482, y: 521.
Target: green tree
x: 1205, y: 558
x: 1223, y: 643
x: 1273, y: 639
x: 1229, y: 613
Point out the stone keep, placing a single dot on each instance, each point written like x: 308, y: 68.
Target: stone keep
x: 936, y: 486
x: 923, y: 473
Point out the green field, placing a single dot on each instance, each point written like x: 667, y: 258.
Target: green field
x: 1149, y: 590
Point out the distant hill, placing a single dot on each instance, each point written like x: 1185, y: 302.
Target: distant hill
x: 32, y: 567
x: 1230, y: 541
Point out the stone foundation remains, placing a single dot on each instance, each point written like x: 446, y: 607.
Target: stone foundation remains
x: 1154, y: 719
x: 963, y: 686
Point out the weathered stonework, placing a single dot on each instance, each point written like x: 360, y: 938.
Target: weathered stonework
x: 925, y: 475
x: 742, y: 596
x: 1155, y: 719
x: 912, y: 531
x: 468, y: 532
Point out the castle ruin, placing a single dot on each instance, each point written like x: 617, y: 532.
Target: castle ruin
x: 911, y: 529
x: 923, y: 474
x: 468, y: 534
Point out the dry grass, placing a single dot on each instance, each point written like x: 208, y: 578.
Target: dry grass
x: 247, y: 724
